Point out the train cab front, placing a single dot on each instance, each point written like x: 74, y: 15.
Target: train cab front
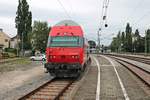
x: 62, y: 62
x: 65, y: 50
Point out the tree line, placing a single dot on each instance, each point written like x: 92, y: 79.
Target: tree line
x: 32, y: 37
x: 129, y: 41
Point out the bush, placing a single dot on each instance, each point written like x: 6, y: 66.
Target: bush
x: 0, y: 55
x: 11, y: 50
x: 5, y: 55
x: 11, y: 55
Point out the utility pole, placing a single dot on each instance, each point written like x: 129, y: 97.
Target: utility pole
x: 17, y: 45
x: 146, y: 43
x: 22, y: 46
x: 98, y: 33
x: 104, y: 20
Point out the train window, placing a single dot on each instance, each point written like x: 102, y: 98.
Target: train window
x: 65, y: 41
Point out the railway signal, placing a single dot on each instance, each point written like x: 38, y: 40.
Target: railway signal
x: 104, y: 20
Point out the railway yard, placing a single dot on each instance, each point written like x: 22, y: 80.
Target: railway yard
x: 108, y: 77
x: 74, y: 50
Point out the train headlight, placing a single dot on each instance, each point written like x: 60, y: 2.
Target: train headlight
x: 72, y: 56
x: 75, y: 57
x: 51, y: 56
x: 54, y: 56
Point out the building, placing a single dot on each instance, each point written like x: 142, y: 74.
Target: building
x: 14, y: 42
x: 4, y: 40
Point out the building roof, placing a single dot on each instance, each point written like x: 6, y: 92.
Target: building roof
x: 1, y: 32
x: 15, y: 37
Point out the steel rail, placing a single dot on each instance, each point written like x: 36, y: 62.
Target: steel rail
x: 56, y: 97
x: 139, y: 72
x: 135, y: 58
x: 35, y: 90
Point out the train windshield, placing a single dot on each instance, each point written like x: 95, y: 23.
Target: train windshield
x: 65, y: 41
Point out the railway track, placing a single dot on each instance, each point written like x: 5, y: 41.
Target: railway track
x: 55, y: 89
x: 144, y: 75
x: 139, y: 59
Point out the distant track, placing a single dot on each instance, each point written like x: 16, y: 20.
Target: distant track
x: 141, y: 73
x: 51, y: 90
x: 139, y: 59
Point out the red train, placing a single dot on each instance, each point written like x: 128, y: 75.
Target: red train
x: 66, y: 51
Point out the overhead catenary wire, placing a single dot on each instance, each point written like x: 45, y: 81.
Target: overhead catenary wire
x: 71, y: 7
x: 103, y: 19
x: 140, y: 19
x: 132, y: 14
x: 68, y: 15
x: 136, y: 22
x: 135, y: 9
x: 104, y: 13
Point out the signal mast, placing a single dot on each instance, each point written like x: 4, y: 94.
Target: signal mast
x: 104, y: 20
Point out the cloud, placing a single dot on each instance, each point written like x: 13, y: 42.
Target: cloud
x: 85, y: 12
x: 8, y: 25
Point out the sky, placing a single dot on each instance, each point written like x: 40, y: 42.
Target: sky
x: 87, y: 13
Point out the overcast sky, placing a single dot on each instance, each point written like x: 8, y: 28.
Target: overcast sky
x: 85, y: 12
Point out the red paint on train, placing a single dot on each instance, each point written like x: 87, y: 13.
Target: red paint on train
x: 66, y: 50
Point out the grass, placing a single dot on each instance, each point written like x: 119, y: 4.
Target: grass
x: 15, y: 65
x: 21, y: 61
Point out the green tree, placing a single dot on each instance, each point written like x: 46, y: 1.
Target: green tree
x: 142, y: 44
x: 136, y: 41
x: 39, y: 35
x: 123, y: 40
x: 119, y: 41
x: 114, y: 45
x: 128, y: 43
x: 147, y: 41
x: 23, y: 22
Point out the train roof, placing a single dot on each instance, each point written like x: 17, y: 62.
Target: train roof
x: 66, y: 27
x: 67, y: 23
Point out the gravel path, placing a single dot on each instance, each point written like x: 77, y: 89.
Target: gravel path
x: 110, y: 87
x: 13, y: 84
x: 135, y: 88
x: 87, y: 91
